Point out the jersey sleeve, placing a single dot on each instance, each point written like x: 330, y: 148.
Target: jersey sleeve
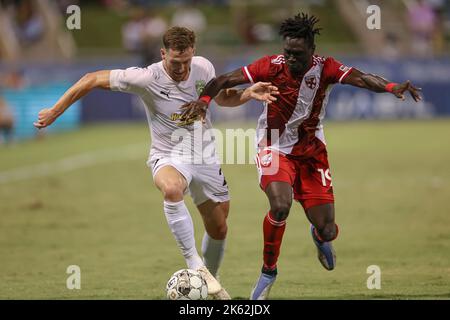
x: 131, y: 80
x: 335, y: 71
x: 258, y: 70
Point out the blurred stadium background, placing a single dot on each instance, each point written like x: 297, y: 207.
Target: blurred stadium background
x: 79, y: 193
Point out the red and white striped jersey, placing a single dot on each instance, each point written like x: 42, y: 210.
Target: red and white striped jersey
x: 296, y: 117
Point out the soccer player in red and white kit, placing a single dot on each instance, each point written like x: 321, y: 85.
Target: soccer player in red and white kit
x: 302, y: 172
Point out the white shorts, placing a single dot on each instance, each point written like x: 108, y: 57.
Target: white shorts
x: 205, y: 181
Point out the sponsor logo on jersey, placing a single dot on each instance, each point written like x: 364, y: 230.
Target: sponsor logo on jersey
x: 199, y: 86
x: 177, y: 116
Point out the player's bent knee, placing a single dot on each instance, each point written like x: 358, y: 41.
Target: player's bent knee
x: 219, y: 232
x: 280, y: 210
x: 173, y: 193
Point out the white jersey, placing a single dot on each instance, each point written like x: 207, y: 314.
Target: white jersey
x: 163, y: 98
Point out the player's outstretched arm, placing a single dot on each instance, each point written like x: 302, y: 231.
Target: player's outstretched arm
x: 195, y: 109
x: 99, y: 79
x: 378, y: 84
x: 261, y: 91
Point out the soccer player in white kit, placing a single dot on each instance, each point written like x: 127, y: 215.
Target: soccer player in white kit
x: 164, y: 87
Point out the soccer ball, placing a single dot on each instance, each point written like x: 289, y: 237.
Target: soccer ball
x: 186, y: 284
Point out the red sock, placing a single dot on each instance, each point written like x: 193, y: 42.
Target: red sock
x: 273, y: 235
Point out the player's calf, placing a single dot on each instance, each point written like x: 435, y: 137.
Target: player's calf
x: 325, y: 250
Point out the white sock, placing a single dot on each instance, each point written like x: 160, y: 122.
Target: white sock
x: 182, y: 227
x: 212, y: 251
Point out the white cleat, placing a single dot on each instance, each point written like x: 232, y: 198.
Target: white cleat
x: 222, y: 295
x: 214, y: 287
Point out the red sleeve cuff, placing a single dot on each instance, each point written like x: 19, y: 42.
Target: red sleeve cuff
x: 247, y: 74
x: 345, y: 75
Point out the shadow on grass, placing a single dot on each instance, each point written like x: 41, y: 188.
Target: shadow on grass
x: 371, y: 297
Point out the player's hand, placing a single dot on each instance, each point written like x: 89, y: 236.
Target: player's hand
x: 46, y: 117
x: 262, y: 91
x: 399, y: 91
x: 194, y: 110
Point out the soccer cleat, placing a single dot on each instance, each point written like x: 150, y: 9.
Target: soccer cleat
x: 214, y: 286
x: 222, y: 295
x: 262, y: 287
x: 325, y: 251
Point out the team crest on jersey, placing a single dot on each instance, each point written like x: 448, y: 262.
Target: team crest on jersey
x: 199, y: 86
x: 311, y: 82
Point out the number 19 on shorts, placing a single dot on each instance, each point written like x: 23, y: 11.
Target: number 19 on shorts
x: 325, y: 174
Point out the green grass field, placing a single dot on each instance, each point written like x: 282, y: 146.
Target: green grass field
x: 86, y: 198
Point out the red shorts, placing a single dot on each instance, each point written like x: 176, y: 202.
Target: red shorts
x: 310, y: 178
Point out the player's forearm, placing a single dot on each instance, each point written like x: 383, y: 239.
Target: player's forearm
x: 225, y: 81
x: 374, y: 83
x: 213, y: 87
x: 232, y: 97
x: 76, y: 92
x: 366, y: 80
x: 99, y: 79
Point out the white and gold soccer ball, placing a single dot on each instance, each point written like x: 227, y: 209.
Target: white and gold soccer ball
x: 186, y: 284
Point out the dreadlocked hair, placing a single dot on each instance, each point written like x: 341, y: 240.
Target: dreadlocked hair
x: 301, y: 26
